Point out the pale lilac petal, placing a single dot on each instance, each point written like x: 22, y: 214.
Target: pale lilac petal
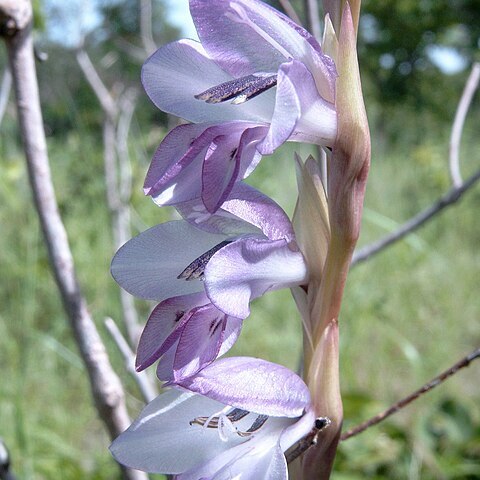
x: 165, y: 365
x: 177, y: 72
x: 293, y: 433
x: 175, y: 173
x: 231, y: 333
x: 231, y: 161
x: 199, y: 342
x: 272, y: 465
x: 221, y: 222
x: 162, y: 440
x: 247, y: 268
x: 260, y: 210
x: 220, y: 171
x: 248, y: 36
x: 263, y: 461
x: 249, y: 154
x: 165, y: 320
x: 247, y: 210
x: 147, y: 266
x: 301, y: 114
x: 169, y: 158
x: 252, y: 384
x: 208, y: 334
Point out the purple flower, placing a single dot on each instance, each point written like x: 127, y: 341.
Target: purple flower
x: 187, y: 333
x: 236, y: 417
x: 244, y: 250
x: 255, y: 81
x: 205, y: 270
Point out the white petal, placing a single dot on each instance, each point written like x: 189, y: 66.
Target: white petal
x: 147, y: 266
x: 177, y: 72
x: 161, y: 440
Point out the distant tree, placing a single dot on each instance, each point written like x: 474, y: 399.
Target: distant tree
x: 397, y: 41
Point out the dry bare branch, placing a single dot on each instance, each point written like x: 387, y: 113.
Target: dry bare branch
x: 290, y: 11
x: 464, y: 362
x: 107, y: 102
x: 450, y: 198
x: 5, y: 88
x: 457, y: 128
x: 313, y: 18
x: 146, y: 34
x: 106, y: 388
x: 143, y: 381
x: 127, y: 108
x: 117, y: 170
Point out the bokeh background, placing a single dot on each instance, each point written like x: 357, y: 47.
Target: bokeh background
x: 408, y: 313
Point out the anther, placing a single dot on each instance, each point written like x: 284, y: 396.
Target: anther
x: 196, y: 269
x: 239, y: 90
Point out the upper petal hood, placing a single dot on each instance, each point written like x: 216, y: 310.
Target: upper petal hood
x: 248, y: 36
x: 301, y: 113
x: 246, y: 210
x: 178, y: 71
x: 252, y: 384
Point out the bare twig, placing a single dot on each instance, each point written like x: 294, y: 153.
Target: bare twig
x: 146, y: 26
x: 464, y: 362
x: 105, y: 385
x: 313, y: 18
x: 107, y: 102
x: 5, y: 92
x: 457, y: 128
x: 143, y: 381
x: 311, y: 439
x: 127, y: 107
x: 290, y: 11
x: 135, y: 52
x: 116, y: 125
x: 450, y: 198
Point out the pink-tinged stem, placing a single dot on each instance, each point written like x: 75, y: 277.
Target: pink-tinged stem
x: 349, y: 165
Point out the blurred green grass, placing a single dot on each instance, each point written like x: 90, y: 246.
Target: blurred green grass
x: 408, y: 313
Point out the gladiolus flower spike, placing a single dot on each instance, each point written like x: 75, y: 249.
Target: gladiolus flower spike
x: 205, y: 270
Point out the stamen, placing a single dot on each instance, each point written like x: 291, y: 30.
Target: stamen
x: 240, y: 89
x: 257, y: 425
x: 223, y: 422
x: 196, y: 269
x: 240, y: 16
x: 212, y: 422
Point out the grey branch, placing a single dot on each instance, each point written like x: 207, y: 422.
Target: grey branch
x: 5, y: 92
x: 143, y: 381
x: 457, y: 128
x: 313, y: 18
x: 106, y: 388
x: 290, y: 11
x: 449, y: 198
x: 117, y: 170
x: 146, y: 15
x: 108, y: 104
x: 464, y: 362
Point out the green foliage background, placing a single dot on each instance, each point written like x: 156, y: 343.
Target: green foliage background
x: 408, y: 314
